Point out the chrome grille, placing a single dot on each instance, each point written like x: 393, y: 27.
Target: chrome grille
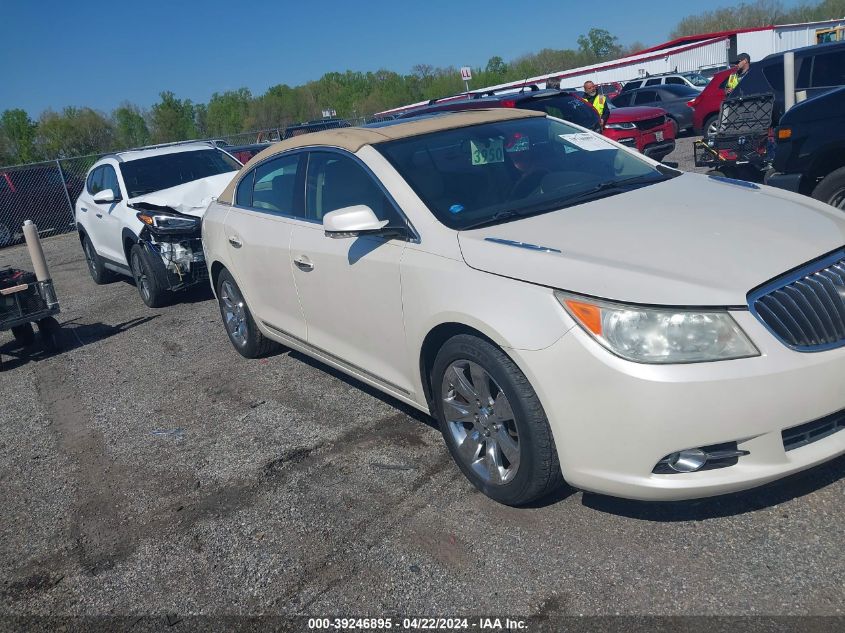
x: 806, y: 309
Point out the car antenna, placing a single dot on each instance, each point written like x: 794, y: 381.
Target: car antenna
x: 524, y: 84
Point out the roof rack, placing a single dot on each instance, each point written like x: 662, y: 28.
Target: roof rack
x: 490, y: 93
x: 172, y: 144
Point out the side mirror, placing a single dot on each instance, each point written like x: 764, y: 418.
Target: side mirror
x: 352, y: 222
x: 105, y: 196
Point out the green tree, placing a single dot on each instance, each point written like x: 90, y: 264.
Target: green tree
x: 74, y: 132
x: 172, y: 119
x: 130, y: 128
x: 496, y: 66
x: 18, y: 133
x: 227, y: 112
x: 599, y: 44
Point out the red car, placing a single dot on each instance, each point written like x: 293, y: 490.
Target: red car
x: 643, y: 128
x: 706, y: 105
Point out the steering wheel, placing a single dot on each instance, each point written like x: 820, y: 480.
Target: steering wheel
x: 528, y: 182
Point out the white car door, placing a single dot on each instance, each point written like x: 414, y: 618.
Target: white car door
x: 110, y: 218
x: 258, y: 233
x: 350, y: 288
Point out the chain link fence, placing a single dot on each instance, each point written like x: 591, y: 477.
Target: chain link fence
x: 46, y: 192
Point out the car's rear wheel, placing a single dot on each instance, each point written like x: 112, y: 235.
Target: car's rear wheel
x: 237, y: 318
x: 711, y: 126
x: 148, y: 284
x: 676, y: 129
x: 832, y: 189
x: 493, y: 422
x: 95, y: 263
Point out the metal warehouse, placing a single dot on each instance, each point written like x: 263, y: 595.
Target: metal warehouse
x: 690, y: 53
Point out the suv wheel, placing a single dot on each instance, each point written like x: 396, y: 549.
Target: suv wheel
x: 711, y: 126
x: 493, y: 422
x: 148, y: 284
x: 832, y: 189
x: 240, y: 326
x: 95, y: 263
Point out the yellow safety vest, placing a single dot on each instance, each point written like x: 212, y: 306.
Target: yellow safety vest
x: 598, y: 104
x: 733, y: 81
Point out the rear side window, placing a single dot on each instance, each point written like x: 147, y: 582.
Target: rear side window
x: 275, y: 185
x: 336, y: 181
x: 653, y: 82
x: 646, y: 96
x: 631, y: 85
x: 829, y: 69
x: 676, y: 81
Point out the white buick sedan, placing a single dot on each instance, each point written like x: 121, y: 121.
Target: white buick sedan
x: 566, y: 309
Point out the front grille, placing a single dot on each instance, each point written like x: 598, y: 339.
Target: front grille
x: 813, y: 431
x: 647, y: 124
x: 806, y: 310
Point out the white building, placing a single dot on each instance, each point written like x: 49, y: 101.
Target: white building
x: 690, y: 53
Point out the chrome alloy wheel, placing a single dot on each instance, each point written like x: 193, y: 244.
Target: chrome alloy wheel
x: 838, y: 199
x: 481, y: 422
x: 234, y: 313
x: 140, y: 276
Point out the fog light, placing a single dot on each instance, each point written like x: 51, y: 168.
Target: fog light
x: 687, y: 461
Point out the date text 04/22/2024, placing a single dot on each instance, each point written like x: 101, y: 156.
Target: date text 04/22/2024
x: 422, y: 623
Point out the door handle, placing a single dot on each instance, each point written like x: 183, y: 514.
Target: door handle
x: 83, y: 209
x: 303, y: 263
x: 99, y: 215
x: 234, y: 241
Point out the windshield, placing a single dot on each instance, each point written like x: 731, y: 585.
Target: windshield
x: 155, y: 173
x: 496, y: 171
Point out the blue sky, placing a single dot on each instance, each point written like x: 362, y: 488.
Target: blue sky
x: 54, y: 54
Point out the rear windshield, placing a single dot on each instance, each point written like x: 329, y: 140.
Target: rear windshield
x: 155, y: 173
x: 490, y: 173
x: 568, y: 108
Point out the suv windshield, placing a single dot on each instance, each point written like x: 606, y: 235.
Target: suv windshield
x: 567, y: 107
x: 493, y: 172
x: 155, y: 173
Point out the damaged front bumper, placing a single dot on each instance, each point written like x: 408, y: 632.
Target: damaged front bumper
x: 172, y: 241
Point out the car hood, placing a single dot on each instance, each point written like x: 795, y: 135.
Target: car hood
x: 692, y: 240
x: 634, y: 113
x: 191, y: 198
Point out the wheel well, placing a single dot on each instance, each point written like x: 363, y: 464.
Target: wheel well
x: 129, y: 240
x: 432, y: 343
x: 81, y: 232
x: 826, y: 162
x: 216, y: 269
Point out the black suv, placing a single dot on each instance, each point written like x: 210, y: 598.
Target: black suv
x: 818, y: 69
x: 810, y: 149
x: 557, y: 103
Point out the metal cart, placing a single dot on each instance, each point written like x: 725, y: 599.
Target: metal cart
x: 29, y: 297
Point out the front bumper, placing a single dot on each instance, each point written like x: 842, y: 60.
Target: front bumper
x: 659, y: 151
x: 614, y: 420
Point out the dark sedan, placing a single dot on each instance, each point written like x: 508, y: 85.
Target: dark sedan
x: 672, y: 98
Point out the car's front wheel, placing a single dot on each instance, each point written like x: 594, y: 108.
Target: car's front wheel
x: 240, y: 326
x: 493, y: 422
x: 153, y: 294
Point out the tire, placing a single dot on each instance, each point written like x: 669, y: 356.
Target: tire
x: 245, y: 336
x: 95, y: 263
x: 832, y: 189
x: 709, y: 128
x: 152, y: 291
x: 51, y: 334
x: 24, y: 334
x: 505, y: 448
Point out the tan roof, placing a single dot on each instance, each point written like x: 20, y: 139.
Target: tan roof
x: 354, y: 138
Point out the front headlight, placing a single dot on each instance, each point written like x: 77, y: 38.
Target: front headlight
x: 620, y: 126
x: 168, y: 221
x: 659, y: 335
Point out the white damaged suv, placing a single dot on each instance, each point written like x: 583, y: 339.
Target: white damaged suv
x: 140, y: 213
x: 566, y: 308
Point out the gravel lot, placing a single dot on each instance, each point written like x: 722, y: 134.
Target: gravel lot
x: 150, y: 470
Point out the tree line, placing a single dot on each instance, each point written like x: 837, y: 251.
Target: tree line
x: 76, y: 131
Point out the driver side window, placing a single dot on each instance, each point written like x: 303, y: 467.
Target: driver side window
x: 335, y: 181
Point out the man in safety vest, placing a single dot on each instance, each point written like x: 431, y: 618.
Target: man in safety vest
x: 742, y: 63
x: 598, y: 101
